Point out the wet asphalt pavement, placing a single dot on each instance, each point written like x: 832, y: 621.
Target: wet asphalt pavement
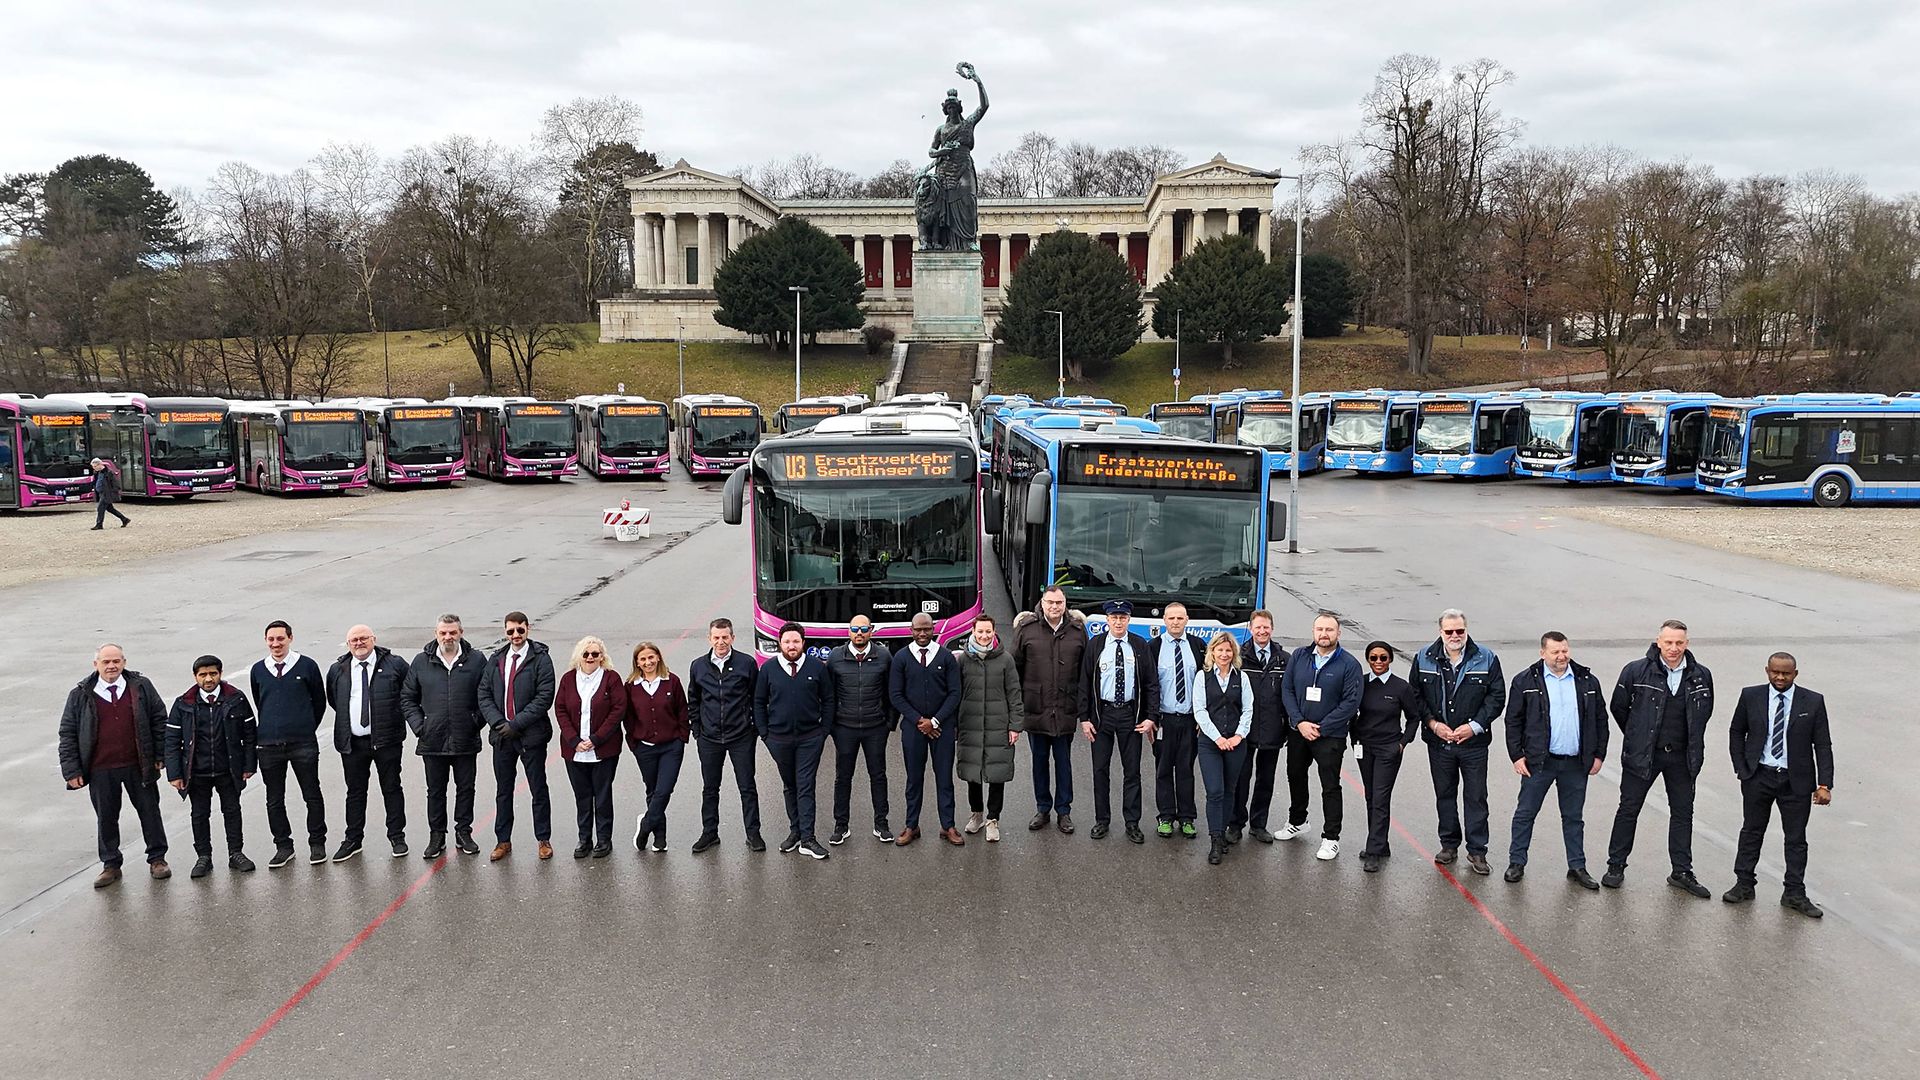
x: 1044, y: 955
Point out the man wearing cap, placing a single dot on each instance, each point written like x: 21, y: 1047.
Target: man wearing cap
x: 1120, y: 705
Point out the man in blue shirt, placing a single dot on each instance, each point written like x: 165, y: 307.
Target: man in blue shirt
x: 1176, y: 657
x: 1557, y: 737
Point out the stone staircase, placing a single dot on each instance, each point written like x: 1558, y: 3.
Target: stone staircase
x: 939, y: 367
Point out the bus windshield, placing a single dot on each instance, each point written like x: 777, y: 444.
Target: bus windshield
x: 1444, y: 433
x: 55, y: 452
x: 1199, y: 547
x: 199, y: 445
x: 633, y: 434
x: 825, y: 552
x: 1725, y: 442
x: 725, y: 433
x: 1549, y: 426
x: 325, y: 442
x: 1643, y: 434
x: 1187, y: 427
x: 539, y: 432
x: 1354, y: 429
x: 1271, y: 432
x: 408, y: 439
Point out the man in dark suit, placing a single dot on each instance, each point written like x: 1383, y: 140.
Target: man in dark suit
x: 516, y: 701
x: 793, y: 708
x: 1122, y: 697
x: 720, y: 712
x: 924, y: 686
x: 1174, y: 749
x: 370, y: 732
x: 1782, y: 754
x: 1556, y: 738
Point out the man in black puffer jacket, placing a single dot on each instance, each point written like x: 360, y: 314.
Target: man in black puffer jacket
x: 1662, y: 704
x: 862, y: 722
x: 441, y: 700
x: 370, y: 732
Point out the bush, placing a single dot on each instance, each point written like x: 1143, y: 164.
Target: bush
x: 877, y: 338
x: 1072, y: 273
x: 752, y: 285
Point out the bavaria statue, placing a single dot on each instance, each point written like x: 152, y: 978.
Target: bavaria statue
x: 946, y: 194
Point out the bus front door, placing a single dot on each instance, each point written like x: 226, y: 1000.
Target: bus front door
x: 9, y: 475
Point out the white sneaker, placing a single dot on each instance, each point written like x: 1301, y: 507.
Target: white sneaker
x: 993, y: 831
x: 1292, y: 832
x: 1329, y: 850
x: 975, y: 823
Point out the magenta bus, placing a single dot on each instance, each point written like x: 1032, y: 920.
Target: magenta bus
x: 619, y: 436
x: 290, y: 447
x: 165, y: 447
x: 411, y: 442
x: 45, y: 449
x: 517, y: 438
x: 862, y: 515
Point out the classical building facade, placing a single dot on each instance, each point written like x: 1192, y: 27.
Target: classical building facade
x: 687, y: 220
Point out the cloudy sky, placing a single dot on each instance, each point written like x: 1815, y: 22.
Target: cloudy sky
x: 181, y: 87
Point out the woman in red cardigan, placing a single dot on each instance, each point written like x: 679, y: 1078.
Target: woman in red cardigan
x: 657, y: 733
x: 590, y: 702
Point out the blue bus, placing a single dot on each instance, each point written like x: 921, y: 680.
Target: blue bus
x: 984, y: 415
x: 1266, y: 420
x: 1371, y: 431
x: 1122, y: 513
x: 1824, y: 449
x: 1097, y: 404
x: 1467, y: 434
x: 1565, y: 435
x: 1206, y: 417
x: 1658, y: 443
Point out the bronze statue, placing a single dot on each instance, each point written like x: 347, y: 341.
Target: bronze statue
x: 946, y: 193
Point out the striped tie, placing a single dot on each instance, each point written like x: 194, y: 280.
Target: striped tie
x: 1777, y: 736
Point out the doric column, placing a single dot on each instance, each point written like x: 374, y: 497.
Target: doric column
x: 1006, y: 260
x: 643, y: 264
x: 860, y: 255
x: 886, y: 267
x: 703, y: 230
x: 673, y: 259
x: 1264, y: 237
x: 1159, y: 248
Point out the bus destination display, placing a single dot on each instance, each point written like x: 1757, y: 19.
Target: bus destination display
x: 1358, y: 406
x: 422, y: 414
x: 815, y: 410
x: 1182, y: 410
x: 1157, y: 467
x: 636, y: 410
x: 1267, y: 408
x: 322, y: 416
x: 191, y: 417
x: 803, y: 466
x: 1447, y: 407
x: 726, y: 410
x: 538, y: 410
x: 51, y: 420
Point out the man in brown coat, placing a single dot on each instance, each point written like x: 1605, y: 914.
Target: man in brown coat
x: 1047, y: 645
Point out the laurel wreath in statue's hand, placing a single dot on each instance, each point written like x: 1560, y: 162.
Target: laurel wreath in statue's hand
x: 964, y: 70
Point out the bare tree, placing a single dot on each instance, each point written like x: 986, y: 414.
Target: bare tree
x: 1031, y: 170
x: 1535, y: 195
x: 893, y: 182
x: 357, y: 190
x: 1615, y: 289
x: 570, y: 136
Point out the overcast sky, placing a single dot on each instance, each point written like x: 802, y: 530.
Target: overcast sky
x: 180, y: 87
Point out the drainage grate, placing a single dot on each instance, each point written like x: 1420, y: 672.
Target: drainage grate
x: 270, y: 556
x: 1358, y: 550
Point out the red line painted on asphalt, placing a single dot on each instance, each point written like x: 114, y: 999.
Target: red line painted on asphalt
x: 1519, y: 946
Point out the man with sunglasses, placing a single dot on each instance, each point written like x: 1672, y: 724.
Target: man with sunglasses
x: 1463, y: 689
x: 861, y: 724
x: 516, y: 700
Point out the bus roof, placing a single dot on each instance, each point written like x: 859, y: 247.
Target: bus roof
x: 32, y: 406
x: 596, y: 400
x: 137, y: 402
x: 269, y: 405
x: 1823, y: 403
x: 928, y: 423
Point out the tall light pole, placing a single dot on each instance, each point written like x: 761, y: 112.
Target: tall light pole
x: 1060, y: 337
x: 1176, y: 354
x: 797, y: 291
x: 1293, y: 395
x: 386, y: 357
x: 680, y: 345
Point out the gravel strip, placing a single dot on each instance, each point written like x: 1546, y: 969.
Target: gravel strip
x: 1878, y: 544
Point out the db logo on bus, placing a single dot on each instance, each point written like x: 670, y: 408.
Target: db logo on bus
x: 930, y: 607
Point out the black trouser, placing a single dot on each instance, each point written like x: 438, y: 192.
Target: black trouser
x: 1173, y: 757
x: 142, y: 790
x: 1114, y: 728
x: 1253, y: 795
x: 508, y: 761
x: 359, y: 763
x: 848, y: 743
x: 593, y: 799
x: 200, y: 791
x: 1220, y: 770
x: 1057, y: 796
x: 1758, y: 794
x: 101, y: 510
x: 1670, y: 765
x: 461, y: 768
x: 798, y: 759
x: 995, y: 797
x: 1379, y: 767
x: 1565, y: 774
x: 1324, y: 754
x: 916, y: 750
x: 1455, y: 767
x: 659, y: 771
x: 304, y: 759
x: 713, y: 758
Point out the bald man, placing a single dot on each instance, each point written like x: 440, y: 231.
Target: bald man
x: 113, y: 735
x: 369, y: 730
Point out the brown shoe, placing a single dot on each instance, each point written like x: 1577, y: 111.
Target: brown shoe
x: 907, y: 836
x: 500, y: 851
x: 546, y: 850
x: 159, y: 869
x: 1444, y: 856
x: 952, y: 836
x: 109, y: 875
x: 1478, y: 864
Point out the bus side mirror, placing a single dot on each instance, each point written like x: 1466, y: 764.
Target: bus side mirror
x: 1038, y: 491
x: 1276, y: 521
x: 733, y: 497
x: 990, y: 510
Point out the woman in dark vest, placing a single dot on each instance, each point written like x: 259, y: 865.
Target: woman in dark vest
x: 656, y: 724
x: 1223, y: 710
x: 1379, y: 738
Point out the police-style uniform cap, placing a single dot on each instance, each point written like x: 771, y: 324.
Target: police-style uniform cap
x: 1117, y: 607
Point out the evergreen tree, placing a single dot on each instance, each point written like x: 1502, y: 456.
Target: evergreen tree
x: 1328, y: 283
x: 753, y: 285
x: 1224, y: 291
x: 1072, y: 273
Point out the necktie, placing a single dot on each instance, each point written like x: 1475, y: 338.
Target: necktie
x: 1777, y: 738
x: 208, y: 698
x: 1119, y: 672
x: 793, y: 668
x: 926, y: 656
x: 366, y: 699
x: 279, y: 668
x: 113, y: 693
x: 513, y: 668
x: 1179, y: 674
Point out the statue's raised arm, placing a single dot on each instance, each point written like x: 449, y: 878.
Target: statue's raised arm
x: 966, y: 71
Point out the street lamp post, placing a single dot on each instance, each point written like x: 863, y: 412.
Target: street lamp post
x: 797, y: 291
x: 1176, y: 354
x: 680, y: 346
x: 1293, y: 395
x: 1060, y: 338
x: 386, y: 357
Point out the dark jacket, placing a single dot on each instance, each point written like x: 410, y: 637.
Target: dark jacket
x: 1145, y: 704
x: 106, y: 486
x: 1382, y: 708
x: 991, y: 706
x: 659, y: 717
x: 384, y: 683
x: 1530, y: 722
x: 1476, y: 693
x: 441, y: 706
x: 1269, y: 712
x: 609, y: 712
x: 720, y: 704
x: 860, y: 687
x: 1049, y: 664
x: 79, y: 727
x: 237, y: 729
x: 931, y: 690
x: 289, y: 708
x: 1641, y: 696
x: 1340, y: 683
x: 1196, y: 652
x: 533, y: 690
x: 793, y: 706
x: 1809, y: 745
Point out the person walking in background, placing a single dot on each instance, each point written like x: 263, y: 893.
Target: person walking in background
x: 590, y: 701
x: 1264, y: 663
x: 1380, y: 742
x: 441, y: 701
x: 210, y: 749
x: 656, y: 723
x: 1783, y: 755
x: 720, y: 712
x: 988, y: 728
x: 924, y: 684
x: 1122, y: 698
x: 1223, y: 713
x: 862, y: 722
x: 106, y: 494
x: 515, y: 700
x: 1321, y: 691
x: 1463, y: 691
x: 1047, y: 646
x: 290, y: 697
x: 370, y: 732
x: 113, y: 734
x: 793, y: 708
x: 1556, y: 738
x: 1662, y: 703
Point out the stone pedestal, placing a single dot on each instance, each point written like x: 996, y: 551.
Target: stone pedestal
x: 947, y: 303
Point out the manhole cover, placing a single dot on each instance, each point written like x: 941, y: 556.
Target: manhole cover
x: 270, y: 556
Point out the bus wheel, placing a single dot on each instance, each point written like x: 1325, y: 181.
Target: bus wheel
x: 1832, y: 490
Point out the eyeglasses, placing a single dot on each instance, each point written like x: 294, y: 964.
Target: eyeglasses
x: 590, y: 655
x: 516, y: 631
x: 1454, y: 633
x: 859, y: 629
x: 1381, y: 657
